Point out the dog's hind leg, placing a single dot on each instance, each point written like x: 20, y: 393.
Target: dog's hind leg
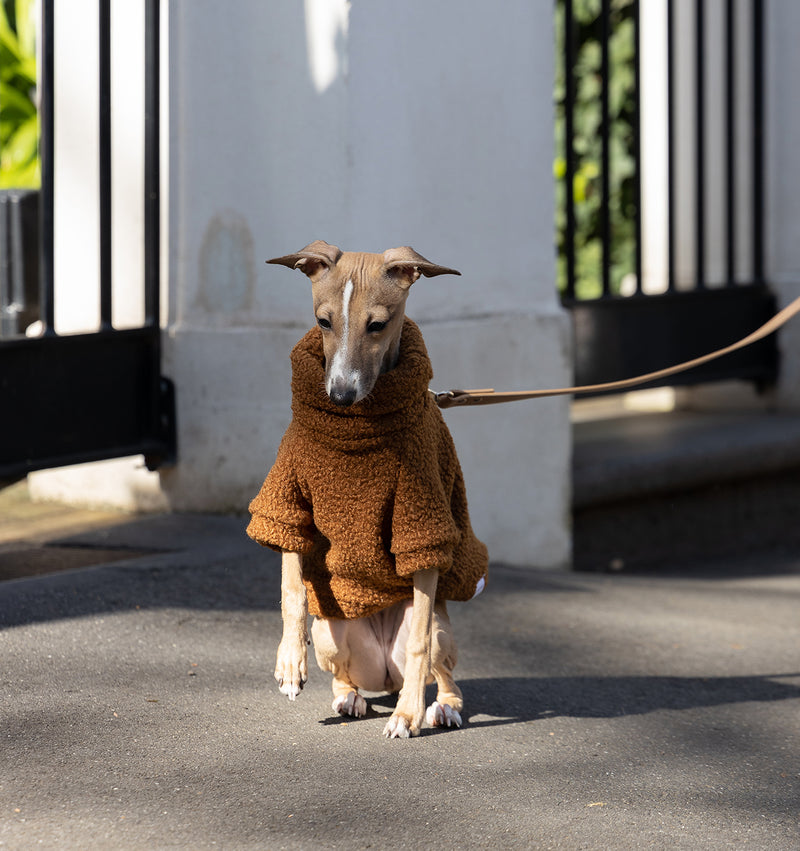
x: 445, y: 711
x: 348, y: 649
x: 347, y: 700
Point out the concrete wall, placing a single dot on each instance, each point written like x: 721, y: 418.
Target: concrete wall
x: 369, y: 125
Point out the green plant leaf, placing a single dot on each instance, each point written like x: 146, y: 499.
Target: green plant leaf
x: 27, y: 177
x: 25, y: 71
x: 26, y: 26
x: 22, y: 146
x: 19, y: 159
x: 10, y: 55
x: 14, y: 104
x: 587, y: 144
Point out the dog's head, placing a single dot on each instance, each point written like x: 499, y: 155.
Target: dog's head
x: 359, y: 302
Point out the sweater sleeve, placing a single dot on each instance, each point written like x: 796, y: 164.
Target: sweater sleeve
x: 424, y: 533
x: 281, y: 517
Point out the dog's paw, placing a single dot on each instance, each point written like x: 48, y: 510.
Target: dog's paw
x: 400, y: 727
x: 291, y: 688
x: 442, y: 715
x: 351, y: 703
x: 291, y: 668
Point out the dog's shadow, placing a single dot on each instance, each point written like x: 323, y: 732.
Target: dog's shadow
x: 512, y: 700
x: 496, y: 701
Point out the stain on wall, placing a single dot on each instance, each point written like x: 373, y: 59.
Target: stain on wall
x: 227, y: 267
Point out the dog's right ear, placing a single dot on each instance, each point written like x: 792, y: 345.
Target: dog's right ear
x: 312, y: 260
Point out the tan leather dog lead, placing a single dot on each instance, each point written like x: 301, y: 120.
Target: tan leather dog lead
x: 453, y: 398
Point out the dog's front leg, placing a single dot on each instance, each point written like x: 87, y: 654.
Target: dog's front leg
x: 408, y: 716
x: 291, y: 669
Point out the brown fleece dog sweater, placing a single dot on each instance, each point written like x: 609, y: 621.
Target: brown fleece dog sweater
x: 369, y: 493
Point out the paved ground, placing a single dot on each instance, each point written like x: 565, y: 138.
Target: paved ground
x: 137, y: 709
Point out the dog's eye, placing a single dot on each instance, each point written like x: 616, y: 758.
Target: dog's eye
x: 376, y: 327
x: 324, y: 323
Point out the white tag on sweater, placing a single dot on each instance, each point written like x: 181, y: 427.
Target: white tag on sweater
x: 479, y: 587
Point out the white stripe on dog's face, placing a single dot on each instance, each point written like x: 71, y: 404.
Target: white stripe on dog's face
x: 341, y: 371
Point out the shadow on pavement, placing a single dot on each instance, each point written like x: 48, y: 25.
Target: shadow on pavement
x: 163, y: 582
x: 512, y: 700
x: 498, y: 701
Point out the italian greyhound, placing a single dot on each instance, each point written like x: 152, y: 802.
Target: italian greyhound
x: 359, y: 303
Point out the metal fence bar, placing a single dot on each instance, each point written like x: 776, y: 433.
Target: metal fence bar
x: 105, y: 162
x: 605, y: 134
x: 758, y: 141
x: 6, y: 268
x: 569, y: 151
x: 730, y: 147
x: 46, y: 156
x: 700, y: 171
x: 637, y: 147
x: 670, y: 146
x: 152, y: 174
x: 17, y: 276
x: 152, y: 216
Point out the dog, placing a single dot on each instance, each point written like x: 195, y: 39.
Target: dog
x: 359, y: 303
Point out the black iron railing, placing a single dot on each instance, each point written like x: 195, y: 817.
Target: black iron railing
x: 620, y: 335
x: 151, y: 165
x: 84, y: 397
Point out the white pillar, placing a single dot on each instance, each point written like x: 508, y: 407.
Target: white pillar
x: 369, y: 125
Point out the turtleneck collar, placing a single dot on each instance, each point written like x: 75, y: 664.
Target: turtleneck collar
x: 395, y: 404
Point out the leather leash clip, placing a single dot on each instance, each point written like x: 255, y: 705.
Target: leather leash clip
x: 459, y: 398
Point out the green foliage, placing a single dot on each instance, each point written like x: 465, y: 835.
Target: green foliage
x: 587, y: 123
x: 19, y: 122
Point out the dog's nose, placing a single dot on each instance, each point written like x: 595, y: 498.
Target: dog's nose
x: 342, y: 395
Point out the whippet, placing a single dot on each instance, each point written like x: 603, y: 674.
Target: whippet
x: 359, y: 304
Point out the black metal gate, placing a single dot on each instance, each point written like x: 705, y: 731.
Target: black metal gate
x: 619, y: 335
x: 66, y: 399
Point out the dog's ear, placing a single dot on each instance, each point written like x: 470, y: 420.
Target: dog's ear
x: 405, y: 265
x: 313, y: 259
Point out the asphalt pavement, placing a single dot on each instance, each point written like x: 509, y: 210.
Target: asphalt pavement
x: 603, y: 711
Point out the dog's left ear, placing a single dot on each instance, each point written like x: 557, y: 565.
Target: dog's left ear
x: 406, y: 266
